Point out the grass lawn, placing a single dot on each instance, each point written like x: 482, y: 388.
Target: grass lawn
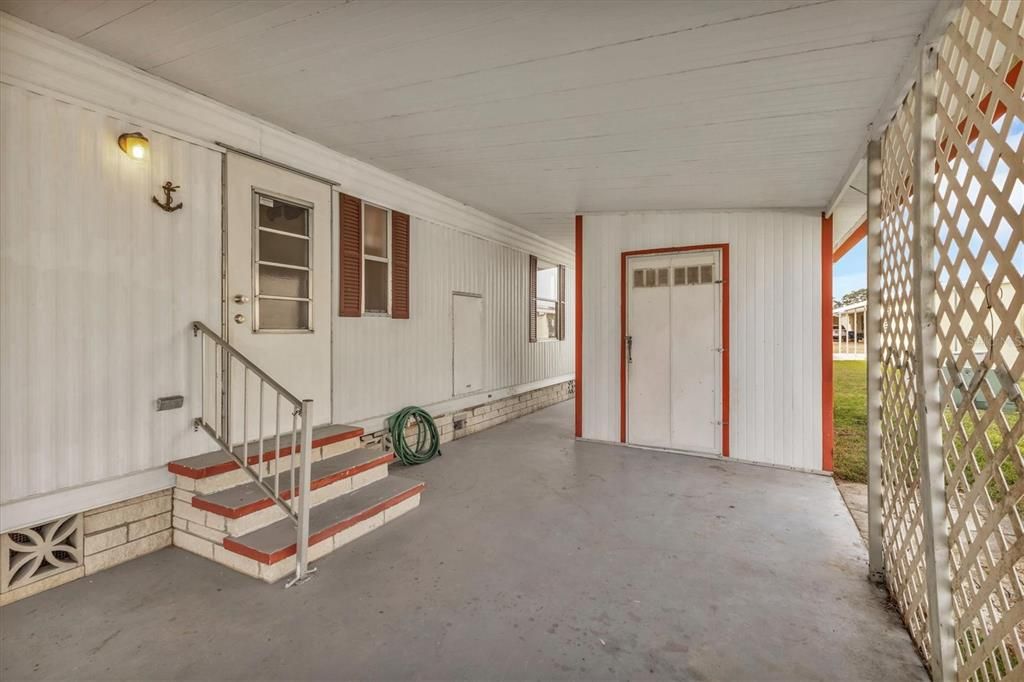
x: 850, y: 411
x: 850, y: 415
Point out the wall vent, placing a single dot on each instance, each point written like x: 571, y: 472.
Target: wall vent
x: 41, y: 551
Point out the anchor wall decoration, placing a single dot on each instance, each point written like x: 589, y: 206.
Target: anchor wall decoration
x: 169, y: 188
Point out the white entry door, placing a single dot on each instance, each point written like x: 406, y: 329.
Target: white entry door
x: 278, y: 282
x: 467, y: 343
x: 673, y: 364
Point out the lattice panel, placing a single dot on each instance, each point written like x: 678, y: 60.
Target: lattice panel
x: 980, y: 309
x: 903, y: 525
x: 31, y: 554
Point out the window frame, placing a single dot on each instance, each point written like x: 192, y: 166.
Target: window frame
x: 554, y: 301
x: 257, y: 296
x: 377, y: 259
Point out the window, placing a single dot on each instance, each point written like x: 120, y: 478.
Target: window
x: 376, y: 259
x: 547, y: 301
x: 281, y: 255
x: 694, y: 274
x: 373, y: 260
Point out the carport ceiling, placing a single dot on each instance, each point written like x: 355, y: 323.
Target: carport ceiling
x: 533, y: 111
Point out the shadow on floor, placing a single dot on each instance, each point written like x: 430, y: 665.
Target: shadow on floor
x: 532, y: 556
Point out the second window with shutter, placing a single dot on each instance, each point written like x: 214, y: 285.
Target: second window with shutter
x: 547, y: 301
x: 374, y: 260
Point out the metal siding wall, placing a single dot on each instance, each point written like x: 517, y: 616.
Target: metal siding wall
x: 775, y: 372
x: 97, y: 290
x: 381, y: 365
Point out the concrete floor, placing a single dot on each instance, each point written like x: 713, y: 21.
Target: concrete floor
x: 532, y: 556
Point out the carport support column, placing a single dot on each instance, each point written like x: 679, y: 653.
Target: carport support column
x: 873, y: 341
x: 926, y: 373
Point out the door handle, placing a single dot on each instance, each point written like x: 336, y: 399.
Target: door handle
x: 240, y: 298
x: 629, y: 350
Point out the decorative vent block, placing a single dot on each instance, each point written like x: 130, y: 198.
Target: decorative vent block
x: 31, y: 554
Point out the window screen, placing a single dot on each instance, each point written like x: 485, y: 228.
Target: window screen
x: 376, y: 259
x: 282, y: 253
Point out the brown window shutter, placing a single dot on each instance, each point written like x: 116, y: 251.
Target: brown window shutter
x: 351, y: 257
x: 561, y: 303
x: 533, y: 299
x: 399, y: 265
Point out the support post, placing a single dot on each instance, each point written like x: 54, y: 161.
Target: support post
x: 302, y: 570
x: 926, y: 373
x: 826, y: 343
x: 873, y: 353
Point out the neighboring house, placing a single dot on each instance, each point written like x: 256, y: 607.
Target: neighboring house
x: 849, y: 323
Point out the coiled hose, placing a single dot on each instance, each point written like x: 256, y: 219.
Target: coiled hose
x: 428, y: 441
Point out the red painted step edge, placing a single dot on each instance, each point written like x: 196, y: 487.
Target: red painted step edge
x: 238, y: 512
x: 274, y: 557
x: 231, y: 465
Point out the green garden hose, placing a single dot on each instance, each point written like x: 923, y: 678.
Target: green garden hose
x: 428, y: 441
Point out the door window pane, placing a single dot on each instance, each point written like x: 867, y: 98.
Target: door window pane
x: 276, y: 314
x: 282, y: 216
x: 288, y: 282
x: 278, y: 248
x: 375, y: 287
x: 375, y: 231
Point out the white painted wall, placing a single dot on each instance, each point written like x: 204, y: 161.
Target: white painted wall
x: 381, y: 365
x: 98, y: 289
x: 775, y: 323
x: 99, y: 286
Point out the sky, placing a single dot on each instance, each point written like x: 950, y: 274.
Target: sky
x: 851, y: 272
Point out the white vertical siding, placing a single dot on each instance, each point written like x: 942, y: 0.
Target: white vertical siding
x: 775, y: 325
x: 97, y: 286
x: 381, y: 365
x: 97, y: 290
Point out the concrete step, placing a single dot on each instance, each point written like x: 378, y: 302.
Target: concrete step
x: 332, y: 524
x: 217, y: 462
x: 248, y: 498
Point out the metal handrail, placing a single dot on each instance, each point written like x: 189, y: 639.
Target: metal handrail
x: 296, y: 504
x: 285, y: 393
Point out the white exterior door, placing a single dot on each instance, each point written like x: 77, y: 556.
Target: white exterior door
x: 278, y: 283
x: 673, y: 370
x: 467, y: 343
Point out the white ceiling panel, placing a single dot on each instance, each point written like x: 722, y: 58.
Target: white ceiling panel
x: 536, y: 110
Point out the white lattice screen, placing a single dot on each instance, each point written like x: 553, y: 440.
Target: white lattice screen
x: 979, y: 297
x: 902, y: 519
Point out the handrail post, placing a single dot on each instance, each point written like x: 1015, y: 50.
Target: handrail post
x: 302, y: 571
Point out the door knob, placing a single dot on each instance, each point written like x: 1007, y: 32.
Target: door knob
x: 239, y: 318
x: 239, y: 298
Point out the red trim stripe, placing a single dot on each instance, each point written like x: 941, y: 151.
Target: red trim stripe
x: 623, y: 317
x: 579, y: 326
x: 238, y: 512
x: 230, y: 465
x: 285, y: 552
x: 726, y: 351
x: 826, y: 343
